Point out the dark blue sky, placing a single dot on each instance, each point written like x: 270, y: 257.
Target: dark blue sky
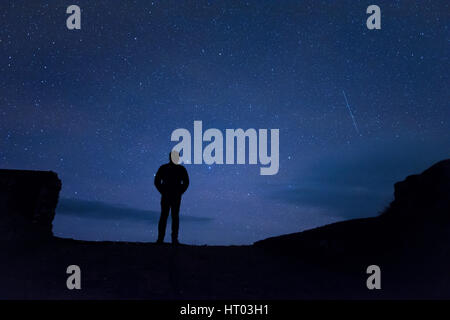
x: 98, y: 106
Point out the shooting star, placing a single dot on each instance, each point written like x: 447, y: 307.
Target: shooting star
x: 351, y: 113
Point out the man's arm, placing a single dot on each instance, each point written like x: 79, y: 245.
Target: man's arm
x: 185, y: 179
x: 157, y: 181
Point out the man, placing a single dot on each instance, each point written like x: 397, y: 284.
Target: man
x: 172, y: 181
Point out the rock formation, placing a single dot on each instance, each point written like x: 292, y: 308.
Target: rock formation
x: 424, y: 196
x: 419, y: 217
x: 28, y: 200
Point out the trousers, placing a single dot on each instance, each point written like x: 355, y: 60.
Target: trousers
x: 171, y: 204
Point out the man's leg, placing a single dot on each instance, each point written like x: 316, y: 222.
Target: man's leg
x: 175, y: 212
x: 165, y: 207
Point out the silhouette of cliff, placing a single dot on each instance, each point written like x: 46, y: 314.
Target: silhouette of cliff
x: 28, y: 201
x: 409, y: 241
x: 418, y: 217
x: 423, y: 198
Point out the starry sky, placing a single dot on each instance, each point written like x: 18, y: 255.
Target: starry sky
x: 98, y: 106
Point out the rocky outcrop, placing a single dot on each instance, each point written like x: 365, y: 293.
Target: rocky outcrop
x: 419, y: 217
x: 424, y: 197
x: 28, y: 200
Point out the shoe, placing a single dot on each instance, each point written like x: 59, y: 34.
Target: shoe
x: 159, y: 241
x: 175, y: 242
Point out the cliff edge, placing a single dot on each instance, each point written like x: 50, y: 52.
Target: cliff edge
x: 28, y: 200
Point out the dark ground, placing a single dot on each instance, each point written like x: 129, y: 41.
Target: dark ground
x: 148, y: 271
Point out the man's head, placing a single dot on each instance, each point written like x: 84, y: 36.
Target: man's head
x: 174, y: 157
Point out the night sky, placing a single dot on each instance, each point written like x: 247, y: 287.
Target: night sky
x: 98, y: 106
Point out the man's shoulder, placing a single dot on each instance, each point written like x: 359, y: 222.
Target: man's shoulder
x: 170, y: 167
x: 163, y: 167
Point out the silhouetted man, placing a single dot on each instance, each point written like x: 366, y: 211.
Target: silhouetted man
x: 172, y: 181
